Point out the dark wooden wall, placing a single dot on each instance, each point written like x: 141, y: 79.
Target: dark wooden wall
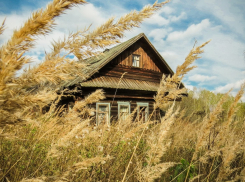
x: 121, y: 95
x: 133, y: 106
x: 131, y: 73
x: 125, y: 58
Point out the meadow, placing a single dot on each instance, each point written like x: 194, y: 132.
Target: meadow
x: 200, y: 138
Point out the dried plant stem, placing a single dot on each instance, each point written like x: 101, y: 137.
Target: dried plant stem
x: 117, y: 87
x: 212, y: 172
x: 12, y: 167
x: 211, y: 169
x: 188, y: 170
x: 2, y: 27
x: 125, y: 173
x: 183, y: 171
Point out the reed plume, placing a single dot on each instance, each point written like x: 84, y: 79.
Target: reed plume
x: 2, y: 27
x: 22, y: 40
x: 170, y: 85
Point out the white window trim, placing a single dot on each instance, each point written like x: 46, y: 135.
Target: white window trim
x: 136, y: 61
x: 97, y: 109
x: 121, y: 103
x: 143, y: 104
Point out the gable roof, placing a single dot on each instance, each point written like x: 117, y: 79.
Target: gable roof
x: 95, y: 63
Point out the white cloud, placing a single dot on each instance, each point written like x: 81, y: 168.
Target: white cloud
x: 201, y: 78
x: 230, y: 13
x: 235, y: 86
x: 172, y: 58
x: 13, y: 21
x: 76, y: 19
x: 190, y: 87
x: 80, y: 17
x: 160, y: 20
x: 225, y: 49
x: 157, y: 19
x: 177, y: 18
x: 158, y: 33
x: 190, y: 32
x: 167, y: 10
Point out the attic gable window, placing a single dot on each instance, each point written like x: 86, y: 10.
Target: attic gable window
x: 136, y: 60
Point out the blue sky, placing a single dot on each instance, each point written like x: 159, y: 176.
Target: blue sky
x: 173, y: 31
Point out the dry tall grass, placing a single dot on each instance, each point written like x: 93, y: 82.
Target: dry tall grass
x: 60, y: 145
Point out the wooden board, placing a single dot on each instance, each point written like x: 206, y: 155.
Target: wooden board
x: 130, y: 73
x: 146, y: 61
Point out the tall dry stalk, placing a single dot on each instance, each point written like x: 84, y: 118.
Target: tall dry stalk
x: 2, y: 27
x: 170, y: 86
x: 13, y: 94
x: 22, y: 40
x: 169, y: 90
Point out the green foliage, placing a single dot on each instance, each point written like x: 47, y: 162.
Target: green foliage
x: 180, y: 171
x: 201, y: 102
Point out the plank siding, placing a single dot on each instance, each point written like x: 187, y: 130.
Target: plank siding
x: 131, y: 73
x: 125, y: 58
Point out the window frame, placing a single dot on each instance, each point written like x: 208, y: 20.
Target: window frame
x: 143, y: 104
x: 123, y: 103
x: 133, y: 60
x: 109, y: 111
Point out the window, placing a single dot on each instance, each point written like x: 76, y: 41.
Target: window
x: 70, y: 106
x: 143, y: 111
x: 136, y: 61
x: 103, y: 113
x: 123, y: 110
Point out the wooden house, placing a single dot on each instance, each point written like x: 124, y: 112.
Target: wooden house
x: 129, y: 74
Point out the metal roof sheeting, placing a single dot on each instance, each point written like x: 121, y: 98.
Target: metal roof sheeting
x: 121, y: 83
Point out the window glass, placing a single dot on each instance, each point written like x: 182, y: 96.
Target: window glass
x: 136, y: 61
x: 123, y: 110
x: 103, y: 113
x: 143, y: 111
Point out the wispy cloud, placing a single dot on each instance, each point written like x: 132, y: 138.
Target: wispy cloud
x: 235, y: 86
x: 191, y: 32
x: 201, y: 78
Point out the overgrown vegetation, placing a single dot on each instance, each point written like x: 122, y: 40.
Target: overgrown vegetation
x: 199, y: 139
